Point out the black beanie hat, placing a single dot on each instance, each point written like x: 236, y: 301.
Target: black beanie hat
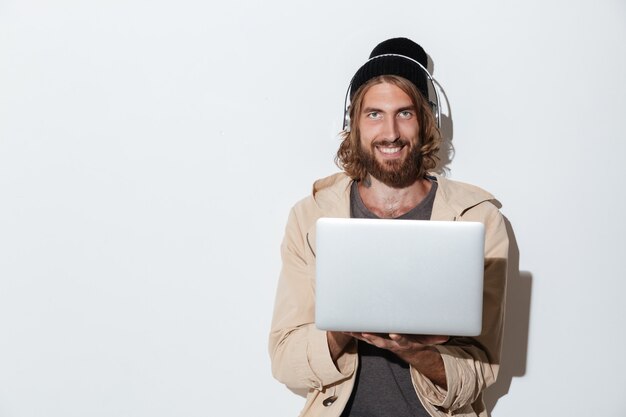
x: 401, y: 63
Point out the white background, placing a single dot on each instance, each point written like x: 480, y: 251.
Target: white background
x: 150, y: 152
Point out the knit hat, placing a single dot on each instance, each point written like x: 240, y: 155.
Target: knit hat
x: 395, y: 56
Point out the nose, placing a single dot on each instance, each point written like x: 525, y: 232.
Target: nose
x: 390, y: 129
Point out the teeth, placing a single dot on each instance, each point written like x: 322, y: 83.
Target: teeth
x: 389, y: 150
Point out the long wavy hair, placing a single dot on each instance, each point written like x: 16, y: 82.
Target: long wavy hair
x: 347, y: 157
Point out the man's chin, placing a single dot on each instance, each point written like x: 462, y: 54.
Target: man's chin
x: 391, y: 163
x: 394, y: 179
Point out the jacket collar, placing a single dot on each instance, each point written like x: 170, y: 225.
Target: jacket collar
x: 453, y: 198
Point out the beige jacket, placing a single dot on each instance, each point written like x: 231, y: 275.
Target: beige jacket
x: 299, y: 351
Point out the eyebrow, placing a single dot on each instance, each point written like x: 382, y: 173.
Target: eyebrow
x: 401, y: 109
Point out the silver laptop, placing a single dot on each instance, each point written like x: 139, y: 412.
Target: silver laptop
x: 399, y: 276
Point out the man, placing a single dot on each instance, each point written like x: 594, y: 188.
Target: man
x: 386, y: 154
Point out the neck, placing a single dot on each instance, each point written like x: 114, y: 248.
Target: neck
x: 388, y: 202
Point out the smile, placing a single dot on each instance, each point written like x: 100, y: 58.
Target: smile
x: 388, y: 150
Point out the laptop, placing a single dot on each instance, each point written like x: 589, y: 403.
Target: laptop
x: 399, y: 276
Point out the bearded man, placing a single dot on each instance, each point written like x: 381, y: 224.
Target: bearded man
x: 387, y: 154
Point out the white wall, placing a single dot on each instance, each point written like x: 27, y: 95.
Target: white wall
x: 150, y: 152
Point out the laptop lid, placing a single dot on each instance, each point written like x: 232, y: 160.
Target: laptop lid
x: 399, y: 276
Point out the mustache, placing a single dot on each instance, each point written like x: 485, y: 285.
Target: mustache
x: 397, y: 142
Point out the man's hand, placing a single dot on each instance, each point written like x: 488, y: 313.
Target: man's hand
x: 416, y: 350
x: 400, y: 342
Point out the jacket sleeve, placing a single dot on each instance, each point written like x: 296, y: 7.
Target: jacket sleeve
x: 299, y: 351
x: 471, y: 364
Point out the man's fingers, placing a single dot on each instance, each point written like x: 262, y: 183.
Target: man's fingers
x: 400, y: 340
x: 397, y: 341
x: 432, y: 339
x: 405, y: 339
x: 375, y: 339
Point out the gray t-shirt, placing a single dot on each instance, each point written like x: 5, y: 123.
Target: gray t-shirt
x: 383, y: 386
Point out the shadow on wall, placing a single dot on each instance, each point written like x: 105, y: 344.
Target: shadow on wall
x: 517, y: 319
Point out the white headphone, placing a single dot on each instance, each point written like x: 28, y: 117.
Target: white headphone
x: 436, y: 107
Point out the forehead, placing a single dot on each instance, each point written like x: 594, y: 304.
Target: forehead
x: 386, y: 95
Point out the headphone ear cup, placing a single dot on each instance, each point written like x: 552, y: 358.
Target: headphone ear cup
x: 346, y: 121
x: 346, y: 109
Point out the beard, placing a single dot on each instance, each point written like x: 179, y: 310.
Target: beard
x: 398, y: 173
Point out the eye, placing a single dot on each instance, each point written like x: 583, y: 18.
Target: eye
x: 374, y: 115
x: 405, y: 114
